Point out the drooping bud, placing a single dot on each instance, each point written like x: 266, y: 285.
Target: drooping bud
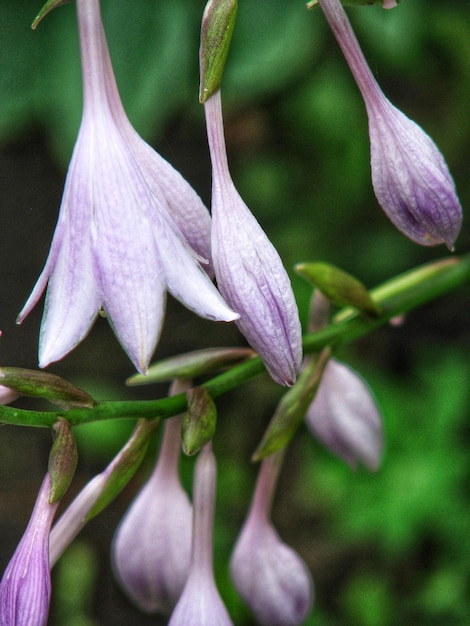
x: 200, y: 602
x: 249, y: 272
x: 25, y: 589
x: 410, y: 177
x: 345, y: 418
x: 152, y: 545
x: 269, y: 575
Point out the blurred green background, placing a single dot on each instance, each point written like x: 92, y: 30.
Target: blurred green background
x: 385, y: 548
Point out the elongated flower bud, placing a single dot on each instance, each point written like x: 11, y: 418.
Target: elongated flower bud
x: 268, y: 574
x: 152, y: 546
x: 248, y: 269
x: 410, y: 177
x: 25, y: 590
x: 200, y: 602
x: 345, y: 418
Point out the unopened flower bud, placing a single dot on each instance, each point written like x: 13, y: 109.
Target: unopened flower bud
x: 345, y: 418
x: 25, y: 589
x: 200, y: 602
x: 269, y: 575
x: 199, y: 421
x: 410, y: 177
x: 152, y: 546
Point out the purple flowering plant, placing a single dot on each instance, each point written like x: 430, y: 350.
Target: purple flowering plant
x: 193, y: 546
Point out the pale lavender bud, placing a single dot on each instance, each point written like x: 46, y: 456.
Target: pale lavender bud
x: 152, y: 546
x: 345, y: 418
x: 248, y: 269
x: 410, y: 177
x: 200, y: 602
x: 125, y: 231
x: 268, y: 574
x: 25, y: 589
x: 7, y: 395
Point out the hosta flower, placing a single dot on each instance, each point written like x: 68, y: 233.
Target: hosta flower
x: 268, y: 574
x: 410, y: 177
x: 25, y: 589
x: 248, y: 269
x: 345, y: 418
x: 200, y: 602
x: 152, y: 546
x: 117, y: 245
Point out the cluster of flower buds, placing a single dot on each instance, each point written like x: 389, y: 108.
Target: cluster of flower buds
x: 131, y: 229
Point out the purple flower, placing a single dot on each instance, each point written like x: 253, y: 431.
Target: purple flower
x: 200, y: 602
x: 249, y: 272
x: 126, y: 223
x: 345, y: 418
x: 268, y: 574
x: 410, y: 177
x: 25, y: 590
x: 152, y: 546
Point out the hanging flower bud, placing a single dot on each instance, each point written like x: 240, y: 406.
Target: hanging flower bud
x: 200, y: 602
x: 269, y: 575
x: 345, y: 418
x: 25, y: 590
x: 248, y: 269
x: 152, y: 546
x: 410, y: 177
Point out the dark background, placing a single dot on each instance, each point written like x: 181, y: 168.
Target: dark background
x: 385, y: 548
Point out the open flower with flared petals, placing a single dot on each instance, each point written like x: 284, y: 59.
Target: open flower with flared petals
x: 268, y: 574
x: 410, y: 177
x: 118, y: 244
x: 248, y: 269
x: 152, y: 545
x: 25, y: 589
x: 200, y: 602
x: 344, y: 416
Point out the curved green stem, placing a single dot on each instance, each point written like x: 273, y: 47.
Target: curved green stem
x: 395, y: 297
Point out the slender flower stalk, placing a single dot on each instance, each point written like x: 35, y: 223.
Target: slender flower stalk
x: 248, y: 269
x: 121, y: 240
x: 269, y: 575
x: 200, y: 602
x: 410, y: 177
x: 25, y: 589
x: 152, y: 546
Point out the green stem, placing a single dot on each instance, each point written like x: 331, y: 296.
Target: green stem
x: 400, y: 295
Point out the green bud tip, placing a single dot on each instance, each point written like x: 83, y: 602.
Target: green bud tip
x: 217, y: 26
x: 198, y: 426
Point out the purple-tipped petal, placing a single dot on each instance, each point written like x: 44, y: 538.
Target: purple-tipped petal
x: 345, y: 418
x: 410, y: 177
x: 25, y: 589
x: 249, y: 271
